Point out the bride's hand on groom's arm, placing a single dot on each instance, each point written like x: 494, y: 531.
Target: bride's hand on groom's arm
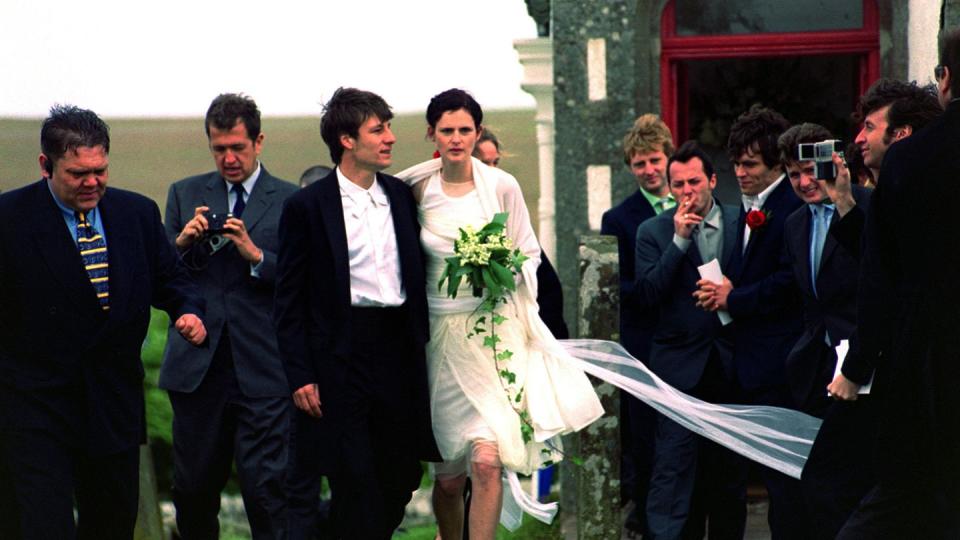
x: 307, y: 399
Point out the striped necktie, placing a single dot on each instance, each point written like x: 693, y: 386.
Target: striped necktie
x: 93, y: 250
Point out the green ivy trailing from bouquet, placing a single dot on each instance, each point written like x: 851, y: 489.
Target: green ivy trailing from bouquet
x: 487, y: 259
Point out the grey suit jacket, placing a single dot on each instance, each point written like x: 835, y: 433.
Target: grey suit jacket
x: 665, y: 280
x: 235, y: 299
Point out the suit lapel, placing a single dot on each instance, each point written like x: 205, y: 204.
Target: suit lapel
x: 407, y: 242
x: 332, y: 214
x: 829, y: 244
x: 731, y: 218
x: 259, y: 200
x: 59, y: 252
x: 215, y: 196
x: 800, y: 239
x: 121, y: 243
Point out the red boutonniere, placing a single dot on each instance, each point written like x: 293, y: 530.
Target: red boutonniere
x: 757, y: 219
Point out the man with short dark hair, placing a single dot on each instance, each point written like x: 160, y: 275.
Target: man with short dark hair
x: 758, y: 292
x: 646, y: 147
x: 80, y: 266
x: 689, y: 351
x: 351, y: 318
x: 891, y: 110
x: 908, y: 319
x: 230, y: 400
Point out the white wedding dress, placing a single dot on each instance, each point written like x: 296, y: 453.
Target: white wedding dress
x: 468, y: 402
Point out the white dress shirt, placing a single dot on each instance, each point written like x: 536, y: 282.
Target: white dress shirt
x: 371, y: 245
x: 756, y: 202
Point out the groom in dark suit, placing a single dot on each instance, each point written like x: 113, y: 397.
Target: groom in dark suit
x: 230, y: 400
x: 80, y: 266
x: 351, y: 318
x: 689, y: 351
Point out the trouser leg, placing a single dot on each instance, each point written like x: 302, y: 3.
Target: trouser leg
x: 108, y: 489
x: 261, y: 458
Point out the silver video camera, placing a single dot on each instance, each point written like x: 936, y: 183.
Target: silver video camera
x: 822, y: 154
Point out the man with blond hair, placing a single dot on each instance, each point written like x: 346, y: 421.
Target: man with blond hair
x: 646, y: 148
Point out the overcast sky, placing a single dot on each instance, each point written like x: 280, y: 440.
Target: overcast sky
x: 171, y: 57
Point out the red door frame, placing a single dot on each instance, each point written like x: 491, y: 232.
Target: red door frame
x: 675, y: 49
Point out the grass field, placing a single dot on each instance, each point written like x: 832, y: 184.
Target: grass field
x: 147, y: 155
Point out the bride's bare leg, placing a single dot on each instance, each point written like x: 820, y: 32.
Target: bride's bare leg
x: 486, y: 497
x: 448, y: 505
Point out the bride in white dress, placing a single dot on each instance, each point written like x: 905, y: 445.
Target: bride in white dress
x: 477, y: 428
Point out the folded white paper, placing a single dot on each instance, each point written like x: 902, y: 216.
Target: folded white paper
x: 842, y: 348
x: 711, y: 272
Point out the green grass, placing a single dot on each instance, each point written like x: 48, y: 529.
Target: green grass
x: 531, y: 529
x: 147, y: 155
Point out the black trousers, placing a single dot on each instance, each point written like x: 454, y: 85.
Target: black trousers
x: 215, y: 426
x: 696, y: 482
x: 787, y: 515
x: 894, y: 512
x: 48, y: 475
x: 839, y: 470
x: 377, y: 469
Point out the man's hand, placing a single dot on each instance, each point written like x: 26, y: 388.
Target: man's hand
x: 684, y: 221
x: 843, y: 389
x: 191, y: 328
x: 194, y: 229
x: 307, y: 399
x: 838, y: 189
x: 712, y: 296
x: 235, y: 230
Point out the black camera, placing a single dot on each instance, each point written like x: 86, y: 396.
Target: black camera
x: 822, y: 154
x: 216, y: 223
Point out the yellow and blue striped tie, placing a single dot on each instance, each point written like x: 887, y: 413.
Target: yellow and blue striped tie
x: 93, y: 250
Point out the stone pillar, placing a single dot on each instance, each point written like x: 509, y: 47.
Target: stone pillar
x: 598, y: 482
x: 536, y: 56
x: 149, y: 519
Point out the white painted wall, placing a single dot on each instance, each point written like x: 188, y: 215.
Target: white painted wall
x: 922, y: 29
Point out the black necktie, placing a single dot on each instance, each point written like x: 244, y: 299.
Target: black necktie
x: 93, y: 250
x: 239, y: 204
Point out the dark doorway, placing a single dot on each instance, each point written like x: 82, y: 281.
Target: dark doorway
x: 819, y: 89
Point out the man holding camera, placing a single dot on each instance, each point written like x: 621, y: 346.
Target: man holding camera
x: 230, y: 400
x: 837, y: 474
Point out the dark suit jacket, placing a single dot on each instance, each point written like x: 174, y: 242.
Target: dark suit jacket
x: 312, y: 311
x: 666, y: 278
x: 764, y: 302
x: 636, y: 324
x: 831, y: 310
x: 235, y: 299
x: 550, y: 298
x: 54, y: 338
x: 907, y: 307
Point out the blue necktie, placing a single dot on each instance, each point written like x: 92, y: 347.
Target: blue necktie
x: 93, y: 250
x: 239, y: 204
x: 818, y: 236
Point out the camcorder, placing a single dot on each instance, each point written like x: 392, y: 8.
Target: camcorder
x: 821, y: 153
x: 216, y: 223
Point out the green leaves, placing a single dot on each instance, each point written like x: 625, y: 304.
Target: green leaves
x: 489, y: 263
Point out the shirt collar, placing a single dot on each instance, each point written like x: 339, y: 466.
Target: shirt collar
x: 820, y: 206
x: 751, y: 202
x: 654, y: 199
x: 355, y: 192
x: 93, y: 216
x: 713, y: 216
x: 249, y: 182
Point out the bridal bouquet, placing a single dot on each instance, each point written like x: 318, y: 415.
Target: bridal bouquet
x: 486, y: 258
x: 489, y: 262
